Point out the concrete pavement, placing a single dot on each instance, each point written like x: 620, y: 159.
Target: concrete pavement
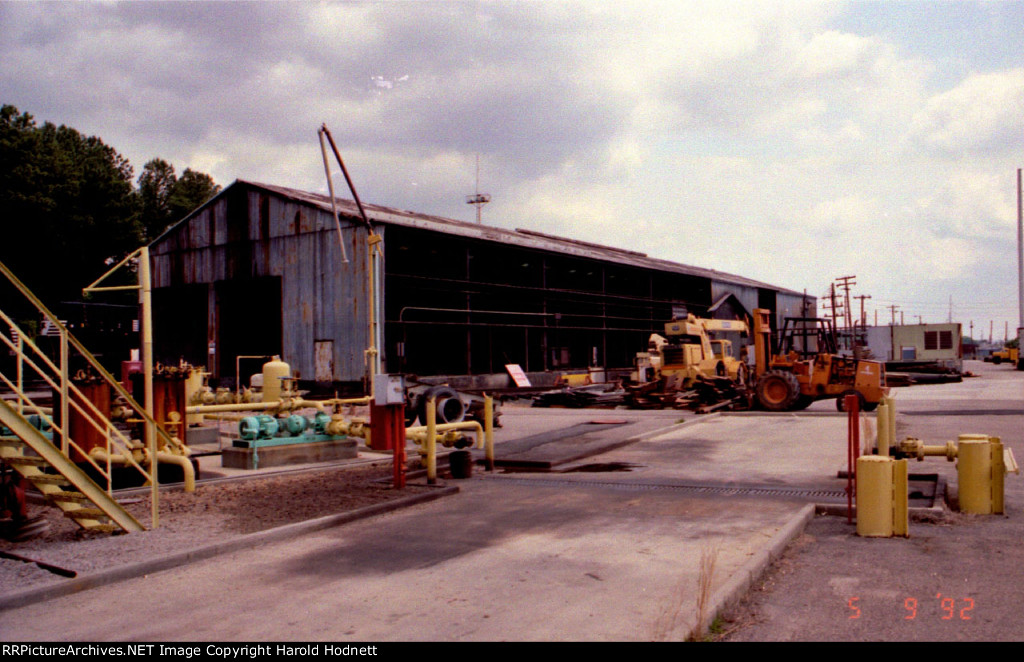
x: 603, y: 548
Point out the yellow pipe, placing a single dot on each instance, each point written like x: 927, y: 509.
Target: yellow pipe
x: 882, y: 425
x: 188, y: 470
x: 225, y: 417
x: 284, y: 404
x: 489, y: 430
x: 431, y: 440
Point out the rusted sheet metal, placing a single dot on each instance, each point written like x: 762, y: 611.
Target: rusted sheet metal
x: 519, y: 237
x: 322, y: 298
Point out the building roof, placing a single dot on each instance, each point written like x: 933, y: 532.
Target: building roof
x: 523, y: 238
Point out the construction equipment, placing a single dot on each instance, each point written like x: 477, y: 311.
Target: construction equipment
x: 1009, y: 354
x: 688, y: 352
x: 686, y: 368
x: 807, y: 366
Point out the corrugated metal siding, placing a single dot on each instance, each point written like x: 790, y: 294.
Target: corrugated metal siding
x: 254, y: 230
x: 322, y: 298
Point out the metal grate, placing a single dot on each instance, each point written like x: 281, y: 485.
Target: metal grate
x: 701, y: 488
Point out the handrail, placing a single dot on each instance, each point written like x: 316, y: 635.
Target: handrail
x: 88, y: 356
x: 117, y: 442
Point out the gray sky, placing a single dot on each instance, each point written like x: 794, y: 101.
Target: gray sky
x: 791, y: 142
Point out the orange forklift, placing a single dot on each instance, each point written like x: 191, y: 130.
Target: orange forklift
x: 807, y: 367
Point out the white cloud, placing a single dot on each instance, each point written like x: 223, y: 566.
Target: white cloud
x: 769, y: 139
x: 984, y: 113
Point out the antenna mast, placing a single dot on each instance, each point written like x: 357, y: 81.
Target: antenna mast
x: 479, y: 199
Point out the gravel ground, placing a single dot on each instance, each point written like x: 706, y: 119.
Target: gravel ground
x: 217, y: 511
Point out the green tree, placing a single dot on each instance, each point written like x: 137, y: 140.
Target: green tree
x: 166, y: 198
x: 156, y: 183
x: 69, y: 208
x: 67, y: 205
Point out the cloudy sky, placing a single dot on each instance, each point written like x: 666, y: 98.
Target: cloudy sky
x: 791, y: 142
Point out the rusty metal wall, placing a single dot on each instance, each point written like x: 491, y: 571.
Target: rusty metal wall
x: 249, y: 234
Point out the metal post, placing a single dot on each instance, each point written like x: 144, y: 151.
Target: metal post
x: 431, y: 440
x: 64, y: 407
x: 489, y: 430
x: 1020, y: 268
x: 146, y: 300
x: 397, y: 423
x: 852, y: 403
x: 20, y: 370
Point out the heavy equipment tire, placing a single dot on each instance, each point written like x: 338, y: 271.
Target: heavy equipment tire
x: 997, y: 360
x: 871, y: 406
x: 802, y: 402
x: 841, y: 400
x: 449, y: 407
x: 778, y: 390
x: 720, y: 370
x: 412, y: 410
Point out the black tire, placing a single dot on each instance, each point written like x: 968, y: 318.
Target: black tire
x: 720, y: 370
x: 802, y: 402
x: 841, y: 400
x: 997, y: 360
x: 412, y: 410
x: 448, y: 406
x: 778, y: 390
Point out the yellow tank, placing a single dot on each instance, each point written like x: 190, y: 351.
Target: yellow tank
x: 273, y: 372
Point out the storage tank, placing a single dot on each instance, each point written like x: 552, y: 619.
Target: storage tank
x: 273, y: 371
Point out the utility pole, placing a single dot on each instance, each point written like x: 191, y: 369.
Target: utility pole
x: 846, y: 283
x: 893, y: 308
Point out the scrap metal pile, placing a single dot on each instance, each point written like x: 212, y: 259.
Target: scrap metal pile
x: 704, y: 395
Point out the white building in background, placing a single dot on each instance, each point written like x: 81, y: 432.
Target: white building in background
x: 911, y: 345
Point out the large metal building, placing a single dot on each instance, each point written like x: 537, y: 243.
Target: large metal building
x: 259, y: 270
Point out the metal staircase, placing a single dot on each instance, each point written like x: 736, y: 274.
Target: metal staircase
x: 31, y: 454
x: 25, y: 447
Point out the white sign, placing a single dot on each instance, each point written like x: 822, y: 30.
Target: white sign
x: 518, y: 376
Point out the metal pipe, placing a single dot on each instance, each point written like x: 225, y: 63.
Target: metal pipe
x: 431, y: 440
x: 188, y: 471
x: 146, y: 299
x: 489, y: 430
x: 882, y: 425
x: 330, y: 188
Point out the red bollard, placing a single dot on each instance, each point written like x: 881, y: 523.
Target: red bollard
x: 387, y: 432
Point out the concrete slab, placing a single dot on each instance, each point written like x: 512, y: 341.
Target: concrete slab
x: 500, y: 561
x: 279, y: 456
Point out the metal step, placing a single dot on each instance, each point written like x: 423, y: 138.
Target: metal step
x: 66, y: 496
x: 85, y: 513
x: 107, y: 509
x: 24, y: 460
x: 47, y: 479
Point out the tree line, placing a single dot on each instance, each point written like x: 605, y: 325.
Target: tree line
x: 70, y: 206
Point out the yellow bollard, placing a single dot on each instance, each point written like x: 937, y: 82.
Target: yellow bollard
x: 874, y: 496
x: 489, y: 430
x: 974, y: 473
x: 890, y: 401
x: 882, y: 427
x: 882, y: 499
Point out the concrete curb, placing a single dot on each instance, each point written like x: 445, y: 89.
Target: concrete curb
x: 743, y: 579
x: 48, y: 592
